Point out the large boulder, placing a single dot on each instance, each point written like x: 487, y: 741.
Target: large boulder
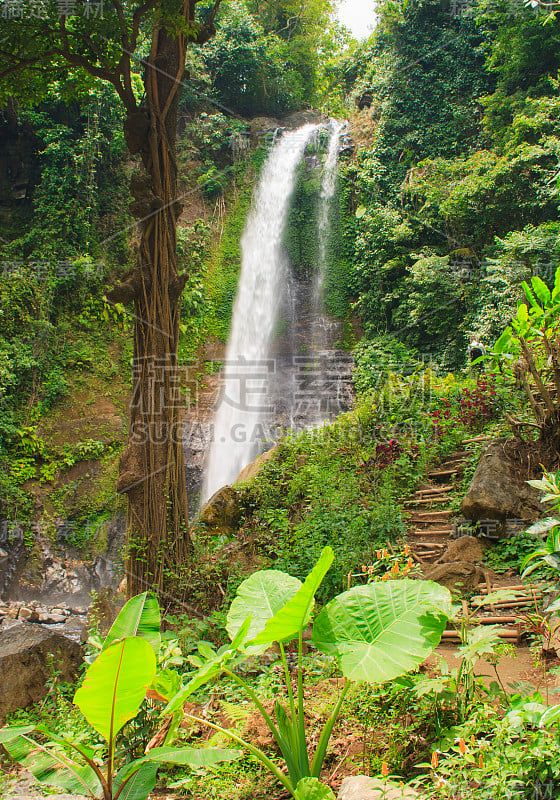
x: 26, y: 662
x: 261, y: 126
x: 255, y: 466
x: 460, y: 577
x: 300, y: 118
x: 466, y: 548
x: 360, y: 787
x: 499, y: 490
x: 221, y: 514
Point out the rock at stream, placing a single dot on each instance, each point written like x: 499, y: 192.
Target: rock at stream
x: 499, y: 490
x: 221, y: 514
x: 25, y: 653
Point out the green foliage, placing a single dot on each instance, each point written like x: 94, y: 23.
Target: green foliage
x: 452, y: 198
x: 225, y: 261
x: 252, y: 70
x: 113, y: 689
x: 513, y: 757
x: 357, y: 627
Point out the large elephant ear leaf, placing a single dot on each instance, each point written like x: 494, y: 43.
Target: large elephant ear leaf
x: 115, y: 685
x: 260, y: 597
x: 313, y: 789
x: 382, y: 630
x: 139, y: 617
x: 295, y: 614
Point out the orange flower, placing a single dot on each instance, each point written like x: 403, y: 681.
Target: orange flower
x: 409, y: 563
x: 385, y: 554
x: 395, y: 570
x: 480, y: 761
x: 378, y: 554
x: 435, y: 760
x: 386, y: 576
x: 406, y: 549
x: 364, y: 568
x: 384, y: 769
x: 462, y: 747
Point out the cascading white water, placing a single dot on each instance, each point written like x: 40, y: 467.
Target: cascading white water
x: 328, y: 186
x: 323, y: 329
x: 238, y: 421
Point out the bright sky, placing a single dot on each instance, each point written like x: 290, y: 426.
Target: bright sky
x: 358, y: 15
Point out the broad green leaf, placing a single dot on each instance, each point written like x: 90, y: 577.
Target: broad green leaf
x: 361, y: 212
x: 543, y: 525
x: 541, y: 290
x: 550, y: 717
x: 7, y: 734
x: 294, y: 616
x: 115, y: 685
x: 431, y: 685
x: 166, y: 683
x: 528, y: 714
x: 522, y: 314
x: 382, y: 630
x: 313, y: 789
x: 210, y: 670
x: 553, y: 608
x: 53, y: 767
x: 261, y: 596
x: 195, y: 757
x: 139, y: 785
x: 529, y: 294
x: 139, y: 617
x: 481, y: 641
x: 497, y: 597
x: 556, y: 289
x: 503, y: 342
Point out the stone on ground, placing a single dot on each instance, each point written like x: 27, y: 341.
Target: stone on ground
x: 221, y: 514
x: 360, y: 787
x: 466, y: 548
x: 499, y: 491
x: 25, y: 653
x: 460, y: 577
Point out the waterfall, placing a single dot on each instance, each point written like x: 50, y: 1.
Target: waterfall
x: 323, y: 330
x: 238, y: 426
x: 328, y: 186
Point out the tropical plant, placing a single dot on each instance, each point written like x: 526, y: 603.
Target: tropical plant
x: 113, y: 690
x: 376, y: 633
x: 530, y: 346
x: 548, y: 554
x: 460, y: 685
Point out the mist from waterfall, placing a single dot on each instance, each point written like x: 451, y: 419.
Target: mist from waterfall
x: 264, y: 270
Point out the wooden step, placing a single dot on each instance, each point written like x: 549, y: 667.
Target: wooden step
x: 508, y: 634
x: 443, y: 472
x: 428, y: 501
x: 435, y: 489
x: 432, y: 516
x: 430, y: 545
x: 431, y: 532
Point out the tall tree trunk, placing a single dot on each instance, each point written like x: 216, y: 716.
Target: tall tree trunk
x: 152, y: 471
